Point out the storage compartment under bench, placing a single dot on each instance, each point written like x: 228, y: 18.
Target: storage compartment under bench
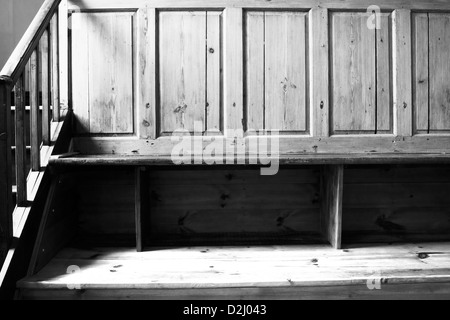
x: 185, y: 206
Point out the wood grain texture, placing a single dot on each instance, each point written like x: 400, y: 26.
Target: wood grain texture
x: 255, y: 67
x: 224, y: 272
x: 354, y: 74
x: 146, y: 72
x: 331, y: 206
x: 241, y: 202
x: 233, y: 70
x: 110, y: 73
x: 319, y: 64
x: 21, y: 164
x: 214, y: 72
x: 439, y: 46
x: 421, y: 72
x: 402, y: 72
x: 384, y: 74
x: 182, y: 58
x: 285, y: 71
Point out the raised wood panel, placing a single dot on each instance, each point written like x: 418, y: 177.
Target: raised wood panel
x: 276, y: 71
x: 190, y: 70
x: 102, y: 69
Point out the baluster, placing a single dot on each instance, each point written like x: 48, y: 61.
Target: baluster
x: 45, y: 67
x: 21, y: 145
x: 55, y: 66
x: 6, y: 205
x: 34, y: 106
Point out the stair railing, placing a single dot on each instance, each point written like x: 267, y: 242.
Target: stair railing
x: 38, y: 48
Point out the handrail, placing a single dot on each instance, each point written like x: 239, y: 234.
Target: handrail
x: 39, y: 47
x: 30, y: 40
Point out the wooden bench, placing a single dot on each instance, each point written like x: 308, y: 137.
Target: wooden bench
x: 350, y: 99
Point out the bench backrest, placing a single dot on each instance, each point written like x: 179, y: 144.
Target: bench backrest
x: 324, y: 76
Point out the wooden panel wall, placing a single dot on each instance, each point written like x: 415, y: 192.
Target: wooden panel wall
x: 190, y: 70
x: 276, y: 71
x: 102, y: 56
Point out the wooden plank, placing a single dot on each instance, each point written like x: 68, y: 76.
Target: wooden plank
x: 285, y: 71
x: 214, y: 72
x: 361, y: 5
x: 182, y: 70
x: 255, y: 67
x: 421, y: 72
x: 402, y: 72
x: 146, y: 73
x: 332, y: 193
x: 384, y: 97
x: 110, y: 73
x: 30, y: 40
x: 46, y: 88
x: 234, y: 70
x: 80, y: 71
x: 54, y: 39
x: 354, y: 74
x: 439, y: 44
x: 319, y: 65
x: 6, y: 208
x: 35, y: 114
x: 21, y: 143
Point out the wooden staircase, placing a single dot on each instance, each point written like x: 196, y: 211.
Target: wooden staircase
x: 96, y: 204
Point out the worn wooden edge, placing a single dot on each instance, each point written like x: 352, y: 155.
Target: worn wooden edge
x: 29, y: 42
x: 431, y: 291
x: 331, y: 159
